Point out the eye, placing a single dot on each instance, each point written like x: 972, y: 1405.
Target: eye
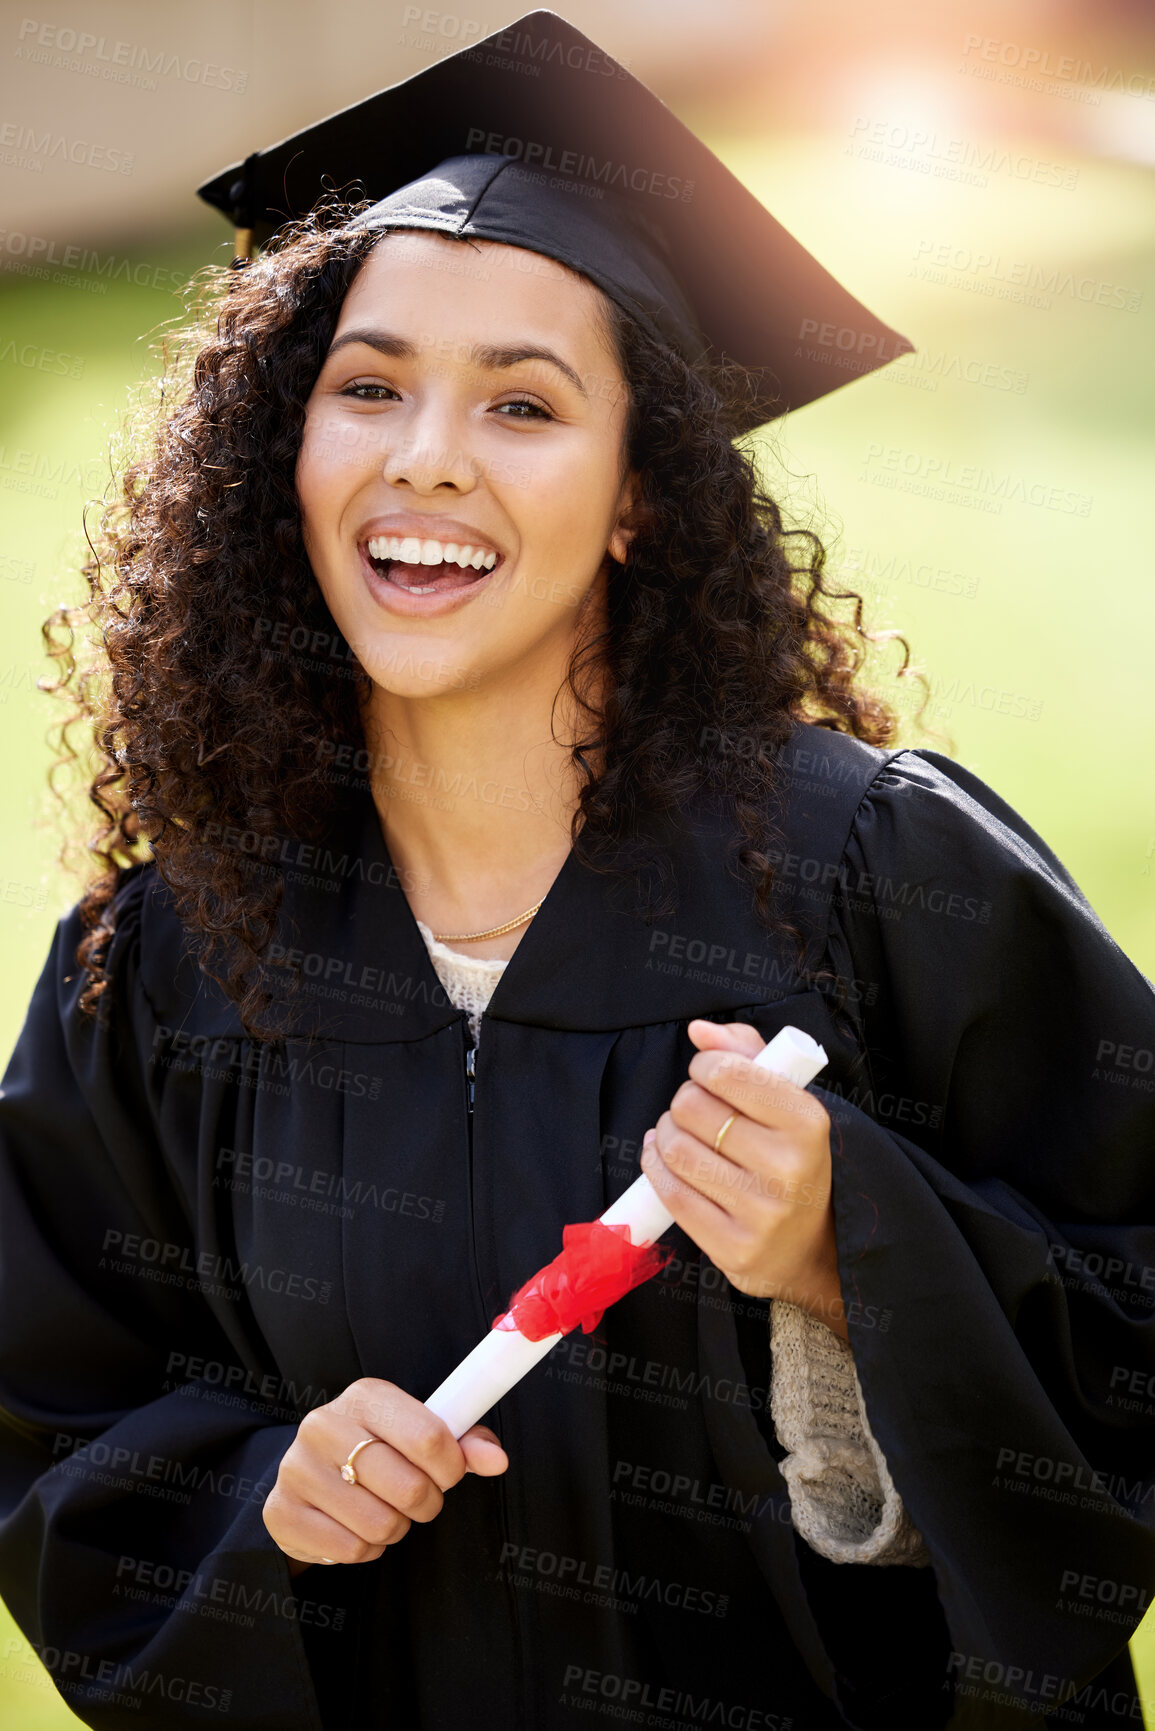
x: 366, y: 390
x: 525, y: 403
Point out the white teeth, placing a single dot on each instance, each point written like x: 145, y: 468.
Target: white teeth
x: 412, y: 551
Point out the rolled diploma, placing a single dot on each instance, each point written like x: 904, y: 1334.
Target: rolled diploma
x: 504, y: 1356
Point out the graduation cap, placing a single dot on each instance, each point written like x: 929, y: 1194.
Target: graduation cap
x: 538, y: 138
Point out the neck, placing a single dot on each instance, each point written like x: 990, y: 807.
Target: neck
x: 476, y: 801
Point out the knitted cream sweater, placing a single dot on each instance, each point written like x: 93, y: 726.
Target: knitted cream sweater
x: 842, y: 1498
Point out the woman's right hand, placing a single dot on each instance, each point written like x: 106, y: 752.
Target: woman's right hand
x: 315, y: 1516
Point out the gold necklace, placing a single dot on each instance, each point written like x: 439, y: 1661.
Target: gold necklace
x: 469, y: 937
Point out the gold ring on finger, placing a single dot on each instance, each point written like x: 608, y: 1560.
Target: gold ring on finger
x: 722, y: 1132
x: 349, y: 1471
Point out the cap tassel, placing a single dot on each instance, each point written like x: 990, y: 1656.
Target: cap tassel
x: 242, y: 193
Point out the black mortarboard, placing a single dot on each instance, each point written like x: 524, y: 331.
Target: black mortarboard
x: 538, y: 138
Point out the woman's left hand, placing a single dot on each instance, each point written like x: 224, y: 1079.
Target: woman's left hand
x: 761, y: 1207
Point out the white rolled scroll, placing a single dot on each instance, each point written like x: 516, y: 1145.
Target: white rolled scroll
x: 504, y: 1356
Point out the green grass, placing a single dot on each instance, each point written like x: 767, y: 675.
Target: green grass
x: 1062, y: 615
x: 29, y: 1700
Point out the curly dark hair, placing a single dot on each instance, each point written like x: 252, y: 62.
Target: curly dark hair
x: 714, y: 632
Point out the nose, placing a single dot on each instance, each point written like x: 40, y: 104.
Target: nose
x: 431, y: 453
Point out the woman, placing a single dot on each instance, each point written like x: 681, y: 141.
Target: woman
x: 444, y: 613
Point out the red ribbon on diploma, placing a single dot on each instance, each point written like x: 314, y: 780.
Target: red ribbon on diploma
x: 598, y: 1266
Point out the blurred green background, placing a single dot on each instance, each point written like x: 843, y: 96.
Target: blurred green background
x: 1055, y: 609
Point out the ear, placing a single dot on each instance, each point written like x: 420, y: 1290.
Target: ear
x: 632, y: 516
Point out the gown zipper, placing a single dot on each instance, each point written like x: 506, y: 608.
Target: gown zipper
x: 503, y: 1497
x: 470, y: 1057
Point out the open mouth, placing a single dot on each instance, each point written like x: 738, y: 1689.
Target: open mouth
x: 428, y: 567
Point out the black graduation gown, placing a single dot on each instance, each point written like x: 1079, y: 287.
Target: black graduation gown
x: 201, y: 1237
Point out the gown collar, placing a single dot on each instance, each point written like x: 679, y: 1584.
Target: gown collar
x: 588, y: 960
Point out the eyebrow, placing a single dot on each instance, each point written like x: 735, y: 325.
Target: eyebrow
x: 492, y: 358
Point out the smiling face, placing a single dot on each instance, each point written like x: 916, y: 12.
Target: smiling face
x: 461, y: 472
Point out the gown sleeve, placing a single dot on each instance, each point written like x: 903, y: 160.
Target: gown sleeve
x: 994, y: 1195
x: 130, y: 1510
